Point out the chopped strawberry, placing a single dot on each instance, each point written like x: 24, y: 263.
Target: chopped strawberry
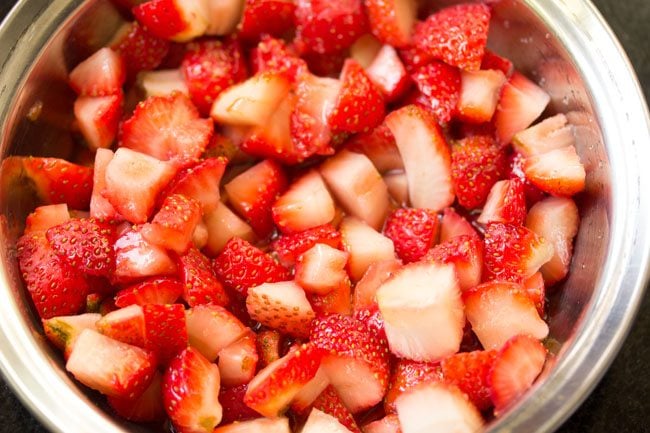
x: 176, y: 20
x: 125, y: 325
x: 259, y: 425
x: 101, y: 74
x: 321, y: 269
x: 388, y: 424
x: 558, y: 172
x: 456, y: 35
x: 303, y: 401
x: 330, y: 403
x: 357, y: 363
x: 290, y: 247
x: 360, y: 105
x: 398, y: 188
x: 109, y: 366
x: 234, y: 409
x: 557, y: 220
x: 136, y: 258
x: 533, y: 194
x: 223, y: 16
x: 439, y: 83
x: 389, y: 74
x: 201, y: 283
x: 140, y: 50
x: 44, y: 217
x: 98, y: 118
x: 271, y: 391
x: 410, y: 300
x: 366, y: 287
x: 536, y: 290
x: 426, y: 157
x: 269, y: 345
x: 167, y: 128
x: 336, y: 301
x: 325, y: 27
x: 272, y: 17
x: 238, y: 361
x: 515, y: 369
x: 200, y: 182
x: 365, y: 246
x: 211, y: 328
x: 273, y: 55
x: 254, y: 191
x: 365, y: 49
x: 549, y: 134
x: 222, y: 225
x: 379, y: 146
x: 479, y: 95
x: 100, y: 207
x: 513, y: 253
x: 392, y: 21
x: 56, y: 287
x: 477, y: 163
x: 282, y: 306
x: 407, y: 375
x: 165, y: 330
x: 491, y: 60
x: 465, y: 252
x: 412, y: 56
x: 326, y: 66
x: 452, y: 225
x: 174, y: 224
x: 320, y: 421
x: 147, y: 407
x: 413, y: 232
x: 156, y: 290
x: 63, y: 331
x: 162, y: 83
x: 305, y: 205
x: 191, y: 392
x: 506, y: 203
x: 470, y: 372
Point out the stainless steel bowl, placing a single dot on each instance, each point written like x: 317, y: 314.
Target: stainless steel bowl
x: 564, y: 44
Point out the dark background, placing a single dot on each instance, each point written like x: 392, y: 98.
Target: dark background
x: 621, y: 402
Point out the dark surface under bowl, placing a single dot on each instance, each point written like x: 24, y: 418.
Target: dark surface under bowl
x: 622, y: 399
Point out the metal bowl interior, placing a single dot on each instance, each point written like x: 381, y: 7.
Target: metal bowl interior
x: 564, y: 45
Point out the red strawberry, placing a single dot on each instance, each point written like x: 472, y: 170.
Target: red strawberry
x: 254, y: 191
x: 360, y: 105
x: 392, y: 21
x: 479, y: 95
x: 174, y: 224
x: 273, y: 55
x: 558, y: 172
x: 491, y: 60
x: 63, y: 331
x: 326, y: 66
x: 470, y: 372
x: 201, y: 283
x: 338, y: 300
x: 125, y: 325
x: 242, y: 266
x: 330, y: 403
x: 167, y: 128
x: 136, y: 258
x: 234, y: 409
x: 101, y: 74
x: 109, y: 366
x: 413, y: 57
x: 200, y: 182
x: 210, y: 67
x: 44, y: 217
x: 551, y: 133
x: 365, y: 245
x: 271, y: 391
x: 513, y: 253
x: 358, y: 361
x: 456, y: 35
x: 177, y: 20
x: 290, y: 247
x: 466, y: 254
x: 476, y: 165
x: 515, y: 369
x: 238, y: 361
x: 140, y: 50
x: 321, y: 269
x: 366, y: 287
x: 191, y: 392
x: 536, y: 290
x: 379, y: 146
x: 326, y: 27
x: 439, y: 83
x: 165, y: 330
x: 56, y: 288
x: 98, y: 118
x: 452, y: 225
x: 147, y: 407
x: 388, y: 424
x: 211, y: 328
x: 269, y: 346
x: 406, y: 375
x: 388, y: 73
x: 302, y: 402
x: 413, y: 232
x: 533, y: 194
x: 506, y: 203
x: 100, y: 207
x: 272, y: 17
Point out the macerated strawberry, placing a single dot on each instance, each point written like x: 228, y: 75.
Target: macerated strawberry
x: 269, y: 346
x: 173, y: 225
x: 302, y: 402
x: 479, y: 95
x: 388, y: 73
x: 320, y: 421
x: 470, y: 372
x: 259, y: 425
x: 167, y: 128
x: 452, y: 225
x: 176, y: 20
x: 109, y: 366
x: 465, y: 252
x: 535, y: 288
x: 201, y: 285
x: 549, y: 134
x: 254, y: 191
x: 366, y: 287
x: 136, y: 258
x: 222, y: 225
x: 125, y: 325
x: 388, y: 424
x: 412, y: 56
x: 234, y: 409
x: 379, y: 146
x: 211, y: 328
x: 200, y: 182
x: 357, y: 363
x: 140, y: 50
x: 98, y: 118
x: 477, y: 163
x: 282, y: 306
x: 289, y: 247
x: 558, y: 172
x: 100, y: 207
x: 62, y: 331
x: 44, y: 217
x: 101, y: 74
x: 533, y: 194
x: 321, y: 269
x: 336, y: 301
x: 191, y: 392
x: 266, y: 17
x: 238, y: 361
x: 325, y: 27
x: 413, y: 232
x: 330, y: 403
x: 398, y: 188
x: 360, y: 104
x: 163, y: 82
x: 365, y: 245
x: 506, y: 203
x: 326, y: 66
x: 271, y: 391
x: 165, y: 330
x: 392, y: 21
x: 406, y: 375
x: 223, y: 16
x: 439, y: 84
x: 273, y: 55
x: 456, y: 35
x: 516, y: 367
x: 147, y: 407
x: 492, y: 60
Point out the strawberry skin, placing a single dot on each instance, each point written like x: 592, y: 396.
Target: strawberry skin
x: 200, y: 182
x: 165, y: 330
x: 271, y: 17
x: 102, y: 74
x: 466, y: 254
x: 125, y: 325
x: 289, y: 247
x: 406, y: 375
x: 506, y: 203
x: 98, y: 119
x: 392, y: 21
x: 413, y: 232
x: 274, y: 55
x: 439, y: 85
x: 470, y: 372
x: 147, y: 407
x: 232, y: 401
x: 201, y: 283
x: 174, y: 224
x: 140, y: 50
x: 160, y: 290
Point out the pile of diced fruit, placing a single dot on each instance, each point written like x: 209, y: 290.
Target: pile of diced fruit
x: 309, y: 215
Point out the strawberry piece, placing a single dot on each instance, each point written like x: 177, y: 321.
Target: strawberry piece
x: 321, y: 269
x: 133, y: 180
x: 269, y: 345
x: 223, y: 16
x: 521, y: 102
x: 242, y: 266
x: 211, y: 328
x: 201, y: 283
x: 176, y: 20
x: 282, y: 306
x: 289, y: 247
x: 44, y: 217
x: 358, y: 186
x: 167, y: 128
x: 407, y: 375
x: 222, y: 225
x: 174, y: 224
x: 326, y: 66
x: 238, y: 361
x: 319, y: 421
x: 305, y: 205
x: 452, y: 225
x: 456, y: 35
x: 200, y: 182
x: 366, y: 287
x: 558, y: 172
x: 330, y: 403
x: 125, y: 325
x: 271, y: 391
x: 109, y: 366
x: 136, y: 258
x: 513, y: 253
x: 533, y: 194
x: 426, y: 158
x: 163, y: 82
x: 260, y: 425
x: 491, y: 60
x: 465, y: 252
x: 388, y: 424
x: 336, y: 301
x: 234, y: 409
x: 515, y: 369
x: 413, y: 232
x: 357, y: 363
x: 165, y: 330
x: 536, y: 290
x: 140, y: 50
x: 303, y: 401
x: 271, y: 17
x: 147, y: 407
x: 506, y: 203
x: 436, y: 406
x: 477, y: 164
x: 325, y: 27
x: 392, y: 21
x: 413, y: 57
x: 56, y: 288
x: 365, y: 49
x: 549, y: 134
x: 501, y: 310
x: 365, y: 246
x: 470, y: 372
x: 63, y: 331
x: 408, y: 303
x: 379, y: 146
x: 556, y: 220
x: 389, y: 74
x: 479, y: 95
x: 254, y: 191
x: 98, y: 118
x: 439, y: 84
x: 101, y: 74
x: 273, y: 55
x: 191, y: 392
x: 100, y: 207
x: 398, y: 188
